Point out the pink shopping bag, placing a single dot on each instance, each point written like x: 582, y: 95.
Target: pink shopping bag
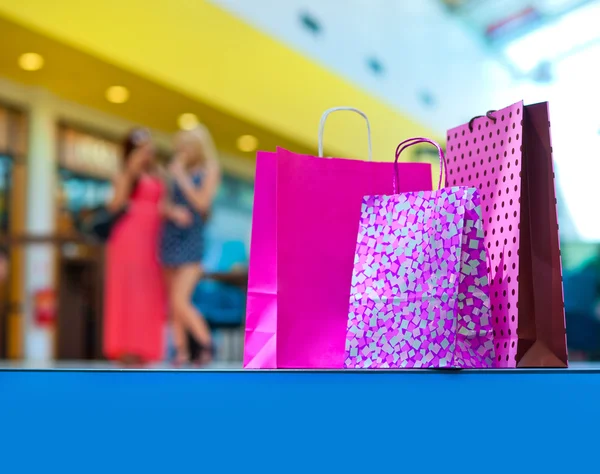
x: 261, y: 306
x: 507, y: 155
x: 306, y: 212
x: 420, y: 292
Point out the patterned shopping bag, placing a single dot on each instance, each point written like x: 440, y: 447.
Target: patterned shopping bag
x: 420, y: 295
x: 507, y: 155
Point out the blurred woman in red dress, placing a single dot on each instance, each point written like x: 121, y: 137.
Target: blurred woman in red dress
x: 135, y: 296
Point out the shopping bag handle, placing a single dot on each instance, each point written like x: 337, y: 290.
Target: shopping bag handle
x: 336, y: 109
x: 413, y: 141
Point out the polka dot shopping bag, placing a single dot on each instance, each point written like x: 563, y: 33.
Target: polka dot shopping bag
x: 420, y: 293
x: 507, y: 156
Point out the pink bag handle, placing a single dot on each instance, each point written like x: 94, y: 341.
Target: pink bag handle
x: 413, y: 141
x: 336, y: 109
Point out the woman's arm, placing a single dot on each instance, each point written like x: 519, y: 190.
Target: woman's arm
x: 200, y: 198
x: 164, y: 208
x: 122, y: 188
x: 125, y: 181
x: 164, y: 205
x: 177, y: 214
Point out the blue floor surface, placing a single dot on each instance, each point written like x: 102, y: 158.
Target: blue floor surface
x: 68, y: 420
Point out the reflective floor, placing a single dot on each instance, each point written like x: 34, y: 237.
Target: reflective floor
x: 229, y: 345
x: 105, y: 365
x: 216, y: 365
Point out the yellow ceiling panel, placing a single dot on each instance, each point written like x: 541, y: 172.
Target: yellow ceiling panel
x: 84, y: 79
x: 203, y: 53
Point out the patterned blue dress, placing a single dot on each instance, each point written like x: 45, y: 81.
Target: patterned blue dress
x: 183, y: 245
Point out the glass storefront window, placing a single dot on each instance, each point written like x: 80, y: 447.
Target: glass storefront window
x: 82, y: 193
x: 5, y: 184
x: 230, y: 223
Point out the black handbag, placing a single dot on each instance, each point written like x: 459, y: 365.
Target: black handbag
x: 98, y: 223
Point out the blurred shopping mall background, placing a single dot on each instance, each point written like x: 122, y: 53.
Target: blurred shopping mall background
x: 76, y: 76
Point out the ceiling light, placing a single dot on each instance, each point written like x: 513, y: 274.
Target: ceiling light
x: 31, y: 62
x: 247, y: 143
x: 117, y: 94
x: 376, y: 66
x: 311, y: 23
x: 187, y: 121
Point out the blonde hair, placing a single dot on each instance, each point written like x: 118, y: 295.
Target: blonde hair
x: 200, y: 142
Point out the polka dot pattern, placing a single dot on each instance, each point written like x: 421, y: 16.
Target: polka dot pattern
x: 489, y: 158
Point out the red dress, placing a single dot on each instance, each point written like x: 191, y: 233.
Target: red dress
x: 135, y: 303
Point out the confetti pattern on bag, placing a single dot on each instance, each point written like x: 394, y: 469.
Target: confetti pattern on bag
x: 420, y: 292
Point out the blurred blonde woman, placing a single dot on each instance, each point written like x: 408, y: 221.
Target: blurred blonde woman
x: 194, y: 180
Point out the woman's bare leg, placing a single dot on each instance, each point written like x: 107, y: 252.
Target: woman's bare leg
x: 182, y: 352
x: 185, y: 279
